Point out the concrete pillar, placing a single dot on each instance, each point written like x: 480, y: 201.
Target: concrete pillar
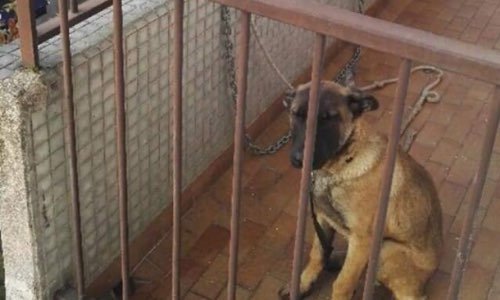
x: 22, y: 276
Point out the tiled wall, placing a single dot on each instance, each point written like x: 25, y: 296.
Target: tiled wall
x: 207, y: 125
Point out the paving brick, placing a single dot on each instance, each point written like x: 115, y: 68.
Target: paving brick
x: 264, y: 208
x: 487, y: 195
x: 443, y: 113
x: 420, y: 152
x: 213, y: 281
x: 445, y: 152
x: 491, y: 220
x: 190, y: 271
x: 211, y: 243
x: 447, y: 15
x: 451, y: 196
x: 467, y: 11
x: 447, y: 222
x: 268, y: 287
x: 497, y: 45
x: 485, y: 252
x: 262, y: 182
x: 471, y: 34
x: 282, y: 270
x: 241, y: 293
x: 457, y: 225
x: 150, y: 273
x: 430, y: 134
x: 494, y: 167
x: 255, y: 265
x: 472, y: 146
x: 479, y: 21
x: 437, y: 287
x: 458, y: 23
x: 193, y: 296
x: 201, y: 215
x: 437, y: 171
x: 451, y: 33
x: 449, y: 251
x: 279, y: 234
x: 458, y: 128
x: 476, y: 283
x: 462, y: 170
x: 491, y: 32
x: 250, y: 234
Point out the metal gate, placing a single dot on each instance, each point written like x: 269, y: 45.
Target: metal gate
x: 407, y: 43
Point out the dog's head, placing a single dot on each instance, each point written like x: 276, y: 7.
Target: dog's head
x: 338, y: 108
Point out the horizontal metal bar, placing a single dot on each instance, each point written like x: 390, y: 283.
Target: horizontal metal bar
x: 477, y: 191
x: 384, y: 36
x: 86, y: 9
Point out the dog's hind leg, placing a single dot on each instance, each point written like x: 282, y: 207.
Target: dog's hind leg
x: 316, y: 263
x: 399, y: 272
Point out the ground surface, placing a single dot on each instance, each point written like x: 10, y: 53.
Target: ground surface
x: 448, y: 145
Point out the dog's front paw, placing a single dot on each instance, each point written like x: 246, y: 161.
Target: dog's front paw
x: 284, y: 293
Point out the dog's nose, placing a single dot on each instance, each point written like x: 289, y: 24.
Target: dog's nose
x: 296, y: 159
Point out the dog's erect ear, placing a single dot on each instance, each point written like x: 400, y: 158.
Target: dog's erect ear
x: 360, y: 103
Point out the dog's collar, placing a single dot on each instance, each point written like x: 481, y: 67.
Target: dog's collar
x: 345, y: 146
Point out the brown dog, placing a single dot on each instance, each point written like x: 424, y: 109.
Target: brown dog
x: 347, y: 164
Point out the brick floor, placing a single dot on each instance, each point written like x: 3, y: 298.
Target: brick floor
x: 448, y: 145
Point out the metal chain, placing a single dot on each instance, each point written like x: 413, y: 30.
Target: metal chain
x: 228, y: 55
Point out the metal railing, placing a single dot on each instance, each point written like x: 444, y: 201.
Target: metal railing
x: 31, y: 34
x: 407, y: 43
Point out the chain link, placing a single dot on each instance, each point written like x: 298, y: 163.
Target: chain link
x: 226, y: 35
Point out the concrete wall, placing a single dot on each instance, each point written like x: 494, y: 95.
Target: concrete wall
x: 207, y: 129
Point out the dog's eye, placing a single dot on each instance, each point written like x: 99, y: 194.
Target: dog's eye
x: 329, y: 115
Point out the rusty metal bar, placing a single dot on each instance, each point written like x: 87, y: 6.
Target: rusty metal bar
x: 177, y: 146
x: 86, y: 9
x: 27, y: 33
x: 384, y: 36
x: 386, y: 182
x: 479, y: 179
x: 70, y: 141
x: 120, y: 143
x: 312, y: 116
x: 74, y: 6
x: 239, y: 139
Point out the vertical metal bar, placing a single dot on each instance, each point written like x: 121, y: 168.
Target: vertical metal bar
x: 70, y: 141
x: 27, y: 33
x: 385, y: 186
x: 312, y: 116
x: 74, y: 6
x: 479, y: 179
x: 177, y: 147
x: 241, y: 77
x: 120, y: 142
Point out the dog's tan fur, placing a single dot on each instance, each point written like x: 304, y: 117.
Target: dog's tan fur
x: 350, y: 186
